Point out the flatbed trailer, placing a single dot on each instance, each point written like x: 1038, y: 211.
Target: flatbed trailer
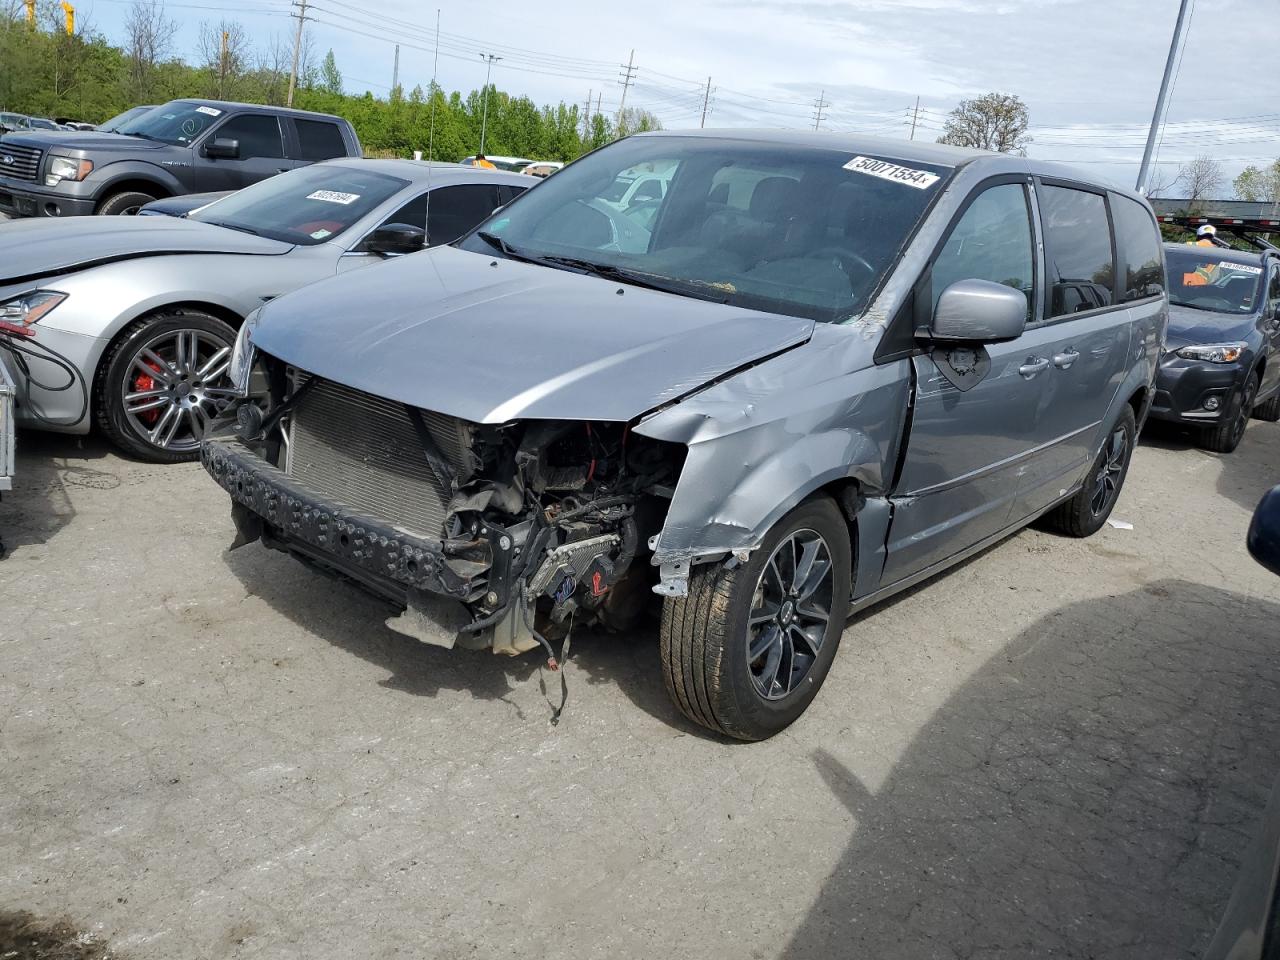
x: 1246, y: 228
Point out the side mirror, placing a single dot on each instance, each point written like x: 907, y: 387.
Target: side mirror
x: 979, y: 311
x: 395, y: 239
x: 222, y: 148
x: 1264, y: 532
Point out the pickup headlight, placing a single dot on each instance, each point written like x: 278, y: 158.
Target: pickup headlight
x: 1213, y: 352
x: 17, y: 315
x: 242, y: 356
x: 66, y: 168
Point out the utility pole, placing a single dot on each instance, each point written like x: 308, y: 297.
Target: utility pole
x: 297, y: 48
x: 1162, y: 99
x: 395, y: 71
x: 706, y: 98
x: 586, y: 117
x: 818, y: 106
x: 484, y: 120
x: 222, y: 66
x: 628, y: 74
x: 914, y: 115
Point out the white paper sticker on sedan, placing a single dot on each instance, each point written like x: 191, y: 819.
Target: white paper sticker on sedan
x: 332, y: 196
x: 920, y: 179
x: 320, y: 234
x: 1242, y: 267
x: 209, y: 111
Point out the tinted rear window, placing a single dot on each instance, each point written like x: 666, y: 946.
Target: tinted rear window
x: 1077, y: 249
x: 319, y: 140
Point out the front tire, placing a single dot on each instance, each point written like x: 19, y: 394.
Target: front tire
x: 1269, y: 411
x: 125, y: 204
x: 1226, y: 435
x: 162, y: 383
x: 745, y: 652
x: 1085, y: 513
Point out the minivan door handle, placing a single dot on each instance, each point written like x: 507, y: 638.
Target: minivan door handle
x: 1033, y: 366
x: 1063, y: 361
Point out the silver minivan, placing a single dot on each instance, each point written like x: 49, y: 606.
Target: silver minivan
x: 811, y: 371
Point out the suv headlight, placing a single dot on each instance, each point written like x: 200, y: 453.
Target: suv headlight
x: 242, y: 356
x: 17, y: 315
x: 66, y: 168
x: 1213, y: 352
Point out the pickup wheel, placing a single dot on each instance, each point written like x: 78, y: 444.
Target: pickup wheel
x: 745, y: 652
x: 1085, y: 513
x: 125, y: 204
x: 161, y: 383
x: 1226, y: 435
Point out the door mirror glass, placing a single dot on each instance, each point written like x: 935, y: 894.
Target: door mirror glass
x: 223, y: 148
x: 394, y: 239
x: 979, y: 311
x: 1264, y: 532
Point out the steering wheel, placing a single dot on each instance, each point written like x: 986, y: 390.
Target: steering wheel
x: 848, y: 260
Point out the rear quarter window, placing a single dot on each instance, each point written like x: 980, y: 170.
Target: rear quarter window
x: 319, y: 140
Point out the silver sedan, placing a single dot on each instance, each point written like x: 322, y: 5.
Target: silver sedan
x: 129, y: 322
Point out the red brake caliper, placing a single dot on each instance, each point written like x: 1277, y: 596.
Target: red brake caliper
x: 143, y: 382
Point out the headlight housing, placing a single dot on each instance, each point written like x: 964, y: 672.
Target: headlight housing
x: 243, y: 355
x: 18, y: 314
x: 66, y: 168
x: 1213, y: 352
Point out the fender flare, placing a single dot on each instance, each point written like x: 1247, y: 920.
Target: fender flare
x: 103, y: 180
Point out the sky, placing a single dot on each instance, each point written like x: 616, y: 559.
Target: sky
x: 1089, y: 70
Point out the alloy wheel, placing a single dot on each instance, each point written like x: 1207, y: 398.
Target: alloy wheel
x: 1106, y: 482
x: 1241, y: 422
x: 790, y: 614
x: 176, y: 384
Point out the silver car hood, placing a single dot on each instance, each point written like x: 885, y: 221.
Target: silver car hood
x: 42, y: 247
x: 491, y: 340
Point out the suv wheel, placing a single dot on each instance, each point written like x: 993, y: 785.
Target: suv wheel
x: 1085, y: 513
x: 124, y: 204
x: 1226, y: 435
x: 1269, y: 411
x: 746, y: 651
x: 162, y: 382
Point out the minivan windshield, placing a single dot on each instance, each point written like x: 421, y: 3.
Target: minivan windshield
x: 1204, y: 281
x: 305, y: 206
x: 797, y: 230
x: 177, y: 122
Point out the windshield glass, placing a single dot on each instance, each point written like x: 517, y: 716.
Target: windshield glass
x: 120, y: 119
x: 1199, y: 279
x: 794, y: 230
x: 178, y: 122
x: 13, y: 120
x: 305, y: 206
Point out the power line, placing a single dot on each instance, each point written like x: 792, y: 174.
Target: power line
x: 818, y: 106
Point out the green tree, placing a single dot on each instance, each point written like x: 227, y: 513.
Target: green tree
x: 330, y: 76
x: 1259, y: 185
x: 993, y: 121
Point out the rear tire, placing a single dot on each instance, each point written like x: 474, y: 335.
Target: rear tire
x: 124, y: 204
x: 780, y: 605
x: 1085, y: 513
x: 179, y: 396
x: 1226, y: 435
x: 1269, y: 411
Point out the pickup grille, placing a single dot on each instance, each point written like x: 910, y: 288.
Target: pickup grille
x: 21, y: 163
x: 362, y: 451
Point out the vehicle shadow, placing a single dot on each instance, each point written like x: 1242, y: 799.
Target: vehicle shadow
x: 349, y: 617
x: 1088, y: 793
x: 1246, y: 474
x: 40, y: 504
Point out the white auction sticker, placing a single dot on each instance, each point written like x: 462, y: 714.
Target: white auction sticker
x: 209, y: 111
x: 1241, y: 267
x: 920, y: 179
x: 332, y: 196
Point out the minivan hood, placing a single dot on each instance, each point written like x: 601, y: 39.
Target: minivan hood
x: 43, y: 246
x: 1189, y: 326
x: 491, y: 340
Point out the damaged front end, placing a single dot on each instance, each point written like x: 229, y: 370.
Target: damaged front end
x: 487, y: 535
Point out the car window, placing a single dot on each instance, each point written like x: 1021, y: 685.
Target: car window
x: 259, y: 135
x: 807, y: 232
x: 319, y: 140
x: 178, y: 122
x: 306, y: 206
x: 456, y: 210
x: 1273, y: 293
x: 1078, y: 253
x: 508, y: 192
x: 1138, y: 242
x: 1203, y: 280
x: 992, y: 241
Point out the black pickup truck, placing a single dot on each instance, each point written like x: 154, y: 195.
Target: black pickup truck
x: 185, y: 146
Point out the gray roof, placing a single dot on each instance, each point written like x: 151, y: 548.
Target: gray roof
x: 236, y: 105
x: 417, y: 171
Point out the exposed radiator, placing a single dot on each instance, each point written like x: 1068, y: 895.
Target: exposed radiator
x: 363, y: 452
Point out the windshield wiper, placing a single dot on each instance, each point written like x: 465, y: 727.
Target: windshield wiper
x: 234, y: 226
x: 650, y: 281
x: 141, y: 136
